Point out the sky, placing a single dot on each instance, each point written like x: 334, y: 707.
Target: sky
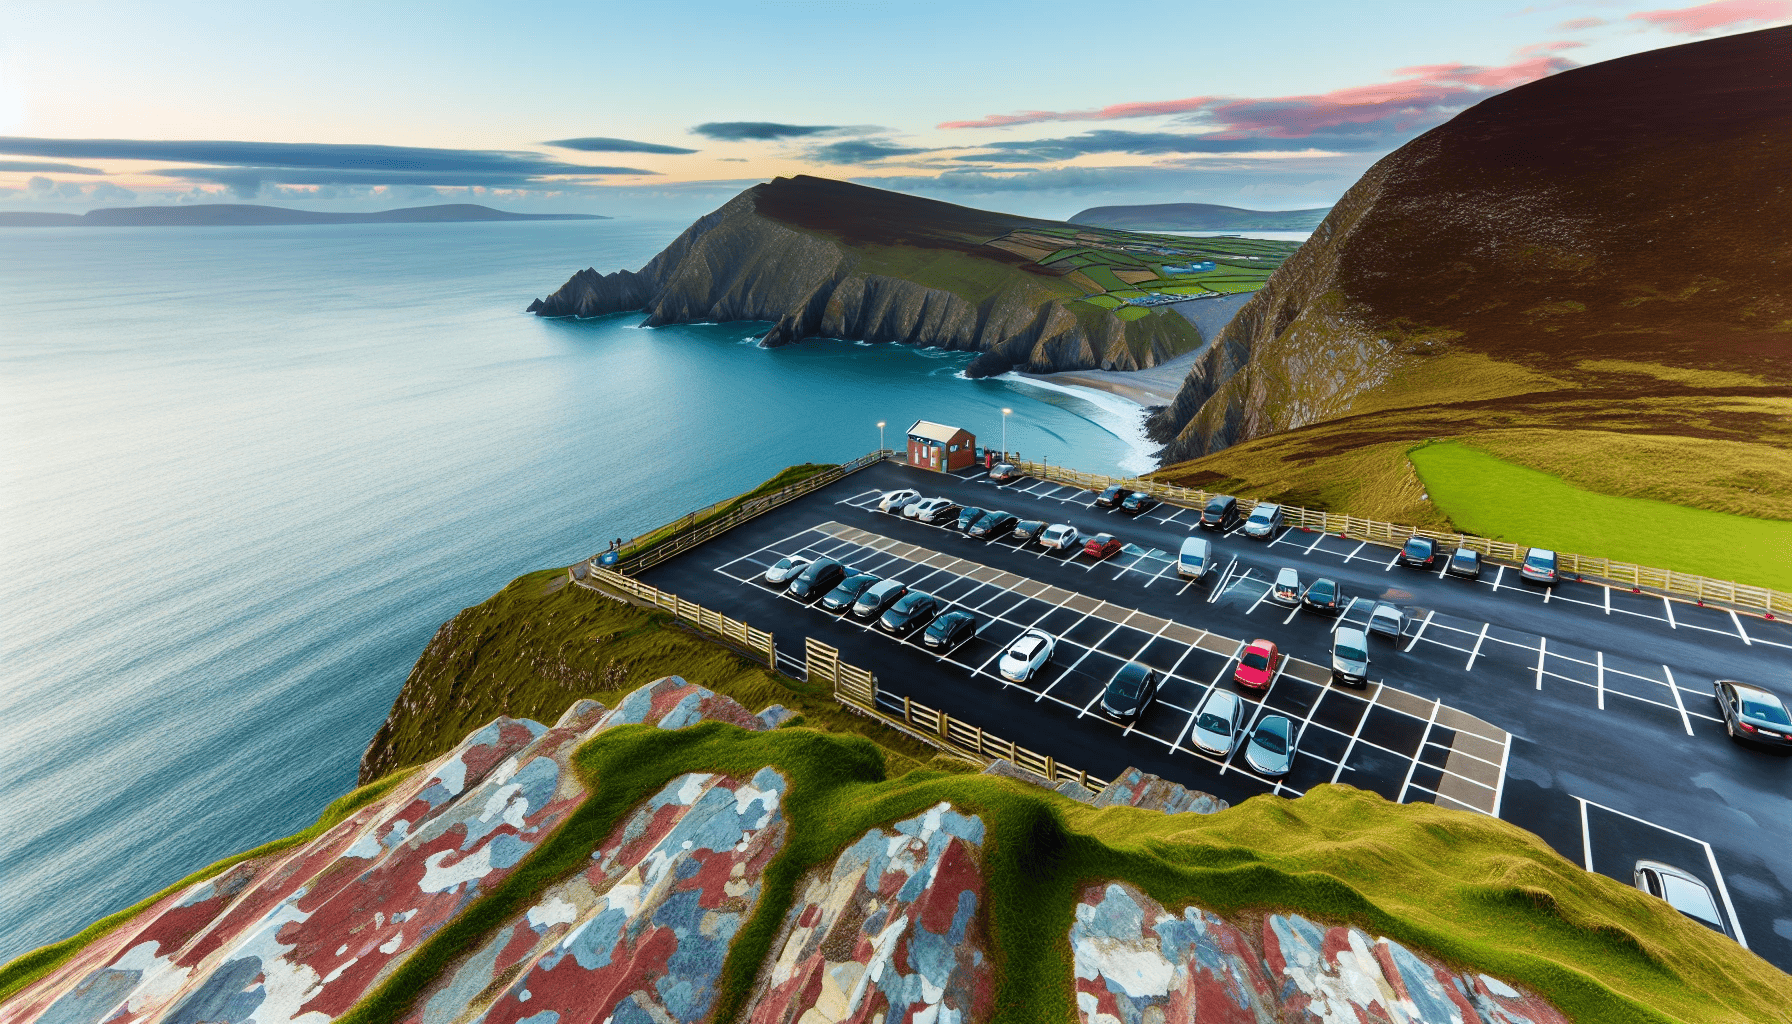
x: 667, y: 109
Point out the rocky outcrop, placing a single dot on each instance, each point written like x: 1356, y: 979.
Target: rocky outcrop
x: 1135, y: 961
x: 827, y: 259
x: 1134, y: 788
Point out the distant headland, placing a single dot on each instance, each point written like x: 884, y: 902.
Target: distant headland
x: 211, y: 215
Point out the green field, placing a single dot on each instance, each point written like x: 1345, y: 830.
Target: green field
x: 1486, y: 496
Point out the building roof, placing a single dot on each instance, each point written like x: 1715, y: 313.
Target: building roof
x: 935, y: 431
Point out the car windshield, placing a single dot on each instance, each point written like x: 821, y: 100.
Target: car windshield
x: 1540, y: 561
x: 1216, y: 506
x: 1465, y: 555
x: 1260, y: 517
x: 859, y: 584
x: 1765, y: 711
x: 1124, y: 688
x: 1211, y: 722
x: 1688, y: 897
x: 785, y: 563
x: 1256, y: 659
x: 911, y: 601
x: 1418, y: 546
x: 884, y: 589
x: 1271, y: 741
x: 1322, y: 589
x: 1101, y: 538
x: 1351, y: 653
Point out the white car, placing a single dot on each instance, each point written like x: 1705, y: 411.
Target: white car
x: 1026, y: 655
x: 787, y: 569
x: 1060, y: 537
x: 1287, y: 587
x: 927, y: 509
x: 1195, y: 558
x: 1217, y: 722
x: 896, y: 501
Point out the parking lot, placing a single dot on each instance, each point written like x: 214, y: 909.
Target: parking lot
x: 1522, y: 701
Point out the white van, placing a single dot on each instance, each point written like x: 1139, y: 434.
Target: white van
x: 1196, y: 558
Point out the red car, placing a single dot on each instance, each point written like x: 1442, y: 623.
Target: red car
x: 1101, y: 546
x: 1257, y: 665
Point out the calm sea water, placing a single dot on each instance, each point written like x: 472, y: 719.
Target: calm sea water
x: 245, y: 473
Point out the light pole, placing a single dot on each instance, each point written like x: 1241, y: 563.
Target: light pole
x: 1005, y: 413
x: 880, y: 435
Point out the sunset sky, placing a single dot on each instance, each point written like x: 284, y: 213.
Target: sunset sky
x: 666, y: 109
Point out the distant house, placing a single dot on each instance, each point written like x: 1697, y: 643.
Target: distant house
x: 937, y: 446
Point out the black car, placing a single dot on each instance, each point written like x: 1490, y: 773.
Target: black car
x: 1130, y: 692
x: 821, y: 576
x: 1418, y: 552
x: 1466, y: 563
x: 1753, y: 714
x: 911, y: 613
x: 1111, y: 497
x: 950, y: 630
x: 1028, y: 530
x: 1321, y: 596
x: 968, y: 515
x: 877, y: 597
x: 1138, y: 501
x: 994, y: 524
x: 841, y: 597
x: 1221, y: 513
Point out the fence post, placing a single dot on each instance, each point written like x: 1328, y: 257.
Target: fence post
x: 908, y: 717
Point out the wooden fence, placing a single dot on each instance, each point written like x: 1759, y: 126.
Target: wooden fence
x: 1772, y: 602
x: 703, y: 524
x: 857, y: 689
x: 756, y: 640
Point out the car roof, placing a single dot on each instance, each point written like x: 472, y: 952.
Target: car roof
x: 1466, y: 553
x: 1542, y: 551
x: 1132, y: 670
x: 1287, y: 572
x: 1102, y: 537
x: 1745, y: 690
x: 1416, y: 539
x: 1345, y: 634
x: 1277, y: 724
x: 1192, y: 545
x: 1220, y: 700
x: 887, y: 584
x: 1026, y: 644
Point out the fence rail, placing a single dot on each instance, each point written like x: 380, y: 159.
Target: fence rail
x: 1770, y: 601
x: 756, y: 640
x: 857, y: 689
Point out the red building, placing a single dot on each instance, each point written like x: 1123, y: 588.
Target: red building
x: 937, y: 446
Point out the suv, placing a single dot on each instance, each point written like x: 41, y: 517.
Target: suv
x: 1350, y: 657
x: 1221, y: 513
x: 1265, y: 520
x: 1195, y: 558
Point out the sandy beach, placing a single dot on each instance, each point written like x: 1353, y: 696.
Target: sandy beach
x: 1156, y: 386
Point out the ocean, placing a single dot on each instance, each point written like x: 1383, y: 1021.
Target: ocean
x: 248, y: 471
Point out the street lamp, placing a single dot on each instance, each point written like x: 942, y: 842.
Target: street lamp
x: 1005, y: 413
x: 880, y: 435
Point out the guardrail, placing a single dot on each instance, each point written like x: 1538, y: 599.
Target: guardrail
x: 696, y: 527
x: 856, y: 689
x: 756, y: 640
x: 1771, y: 602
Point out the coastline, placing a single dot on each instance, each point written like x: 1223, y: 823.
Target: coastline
x: 1143, y: 388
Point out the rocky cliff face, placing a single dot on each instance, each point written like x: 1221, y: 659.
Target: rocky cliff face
x: 826, y: 259
x: 1624, y: 213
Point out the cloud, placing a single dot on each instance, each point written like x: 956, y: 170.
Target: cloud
x: 1117, y: 111
x: 1579, y: 24
x: 38, y: 165
x: 1720, y: 14
x: 860, y: 151
x: 1537, y: 49
x: 737, y: 131
x: 1353, y: 138
x: 40, y: 189
x: 598, y: 144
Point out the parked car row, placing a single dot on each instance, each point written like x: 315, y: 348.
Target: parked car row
x: 896, y: 609
x: 994, y: 524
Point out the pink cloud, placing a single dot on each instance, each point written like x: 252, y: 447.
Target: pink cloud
x: 1577, y: 24
x: 1717, y: 15
x: 1536, y: 49
x: 1419, y: 95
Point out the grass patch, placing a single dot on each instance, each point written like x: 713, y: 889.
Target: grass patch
x: 31, y: 966
x: 1132, y: 313
x: 1478, y: 892
x: 1493, y: 498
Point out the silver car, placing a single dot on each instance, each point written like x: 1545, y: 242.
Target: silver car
x: 1060, y: 537
x: 896, y: 501
x: 1217, y: 722
x: 1387, y: 620
x: 1286, y: 589
x: 786, y: 569
x: 1270, y: 751
x: 1540, y: 566
x: 1350, y: 656
x: 1026, y: 655
x: 1265, y: 520
x: 1682, y: 891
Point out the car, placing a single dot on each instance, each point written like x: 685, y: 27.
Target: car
x: 1681, y: 889
x: 994, y: 524
x: 1217, y: 722
x: 1265, y: 520
x: 1257, y: 664
x: 950, y: 630
x: 1350, y: 657
x: 1466, y: 563
x: 1112, y: 496
x: 1002, y: 472
x: 821, y: 576
x: 786, y: 569
x: 913, y: 611
x: 1026, y: 655
x: 1321, y: 596
x: 1130, y: 692
x: 930, y: 509
x: 1387, y: 620
x: 1221, y: 513
x: 1101, y: 546
x: 877, y: 598
x: 1270, y: 750
x: 1752, y: 714
x: 1418, y: 553
x: 1195, y: 558
x: 1286, y: 589
x: 896, y: 501
x: 849, y: 590
x: 968, y: 516
x: 1138, y: 502
x: 1027, y: 530
x: 1059, y: 537
x: 1540, y: 567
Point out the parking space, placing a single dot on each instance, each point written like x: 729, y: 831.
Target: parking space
x: 1613, y: 842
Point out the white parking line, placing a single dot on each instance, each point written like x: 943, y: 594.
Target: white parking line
x: 1260, y: 597
x: 1497, y: 577
x: 1316, y: 539
x: 1674, y: 688
x: 1669, y: 605
x: 1499, y: 791
x: 1343, y: 616
x: 1421, y: 631
x: 1392, y: 561
x: 1352, y: 554
x: 1723, y: 890
x: 1599, y: 656
x: 1608, y: 600
x: 1476, y: 653
x: 1740, y: 631
x: 1414, y: 766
